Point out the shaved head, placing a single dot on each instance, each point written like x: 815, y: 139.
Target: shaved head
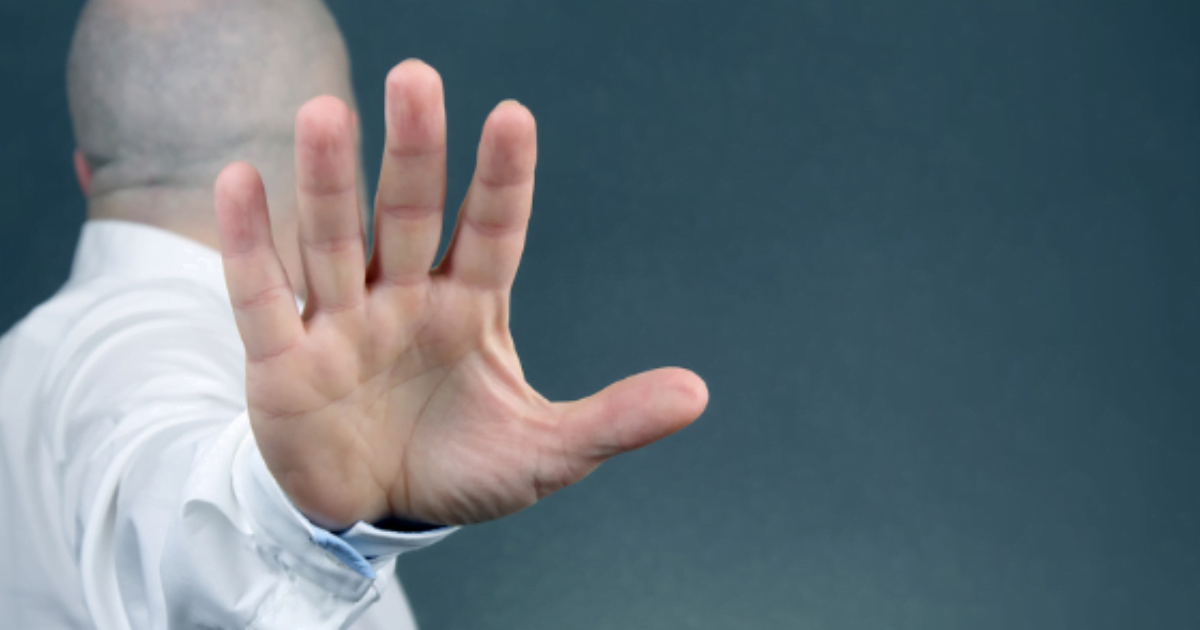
x: 164, y: 93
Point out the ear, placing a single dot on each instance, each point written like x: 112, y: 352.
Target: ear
x: 83, y: 172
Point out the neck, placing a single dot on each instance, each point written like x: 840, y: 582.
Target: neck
x: 187, y: 212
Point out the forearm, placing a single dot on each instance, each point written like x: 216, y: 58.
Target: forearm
x: 178, y: 524
x: 187, y: 529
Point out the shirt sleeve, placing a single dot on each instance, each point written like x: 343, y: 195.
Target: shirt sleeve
x: 298, y: 576
x: 177, y: 522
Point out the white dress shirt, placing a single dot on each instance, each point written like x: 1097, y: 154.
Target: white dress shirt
x: 132, y: 494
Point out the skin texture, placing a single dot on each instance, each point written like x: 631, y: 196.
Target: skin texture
x: 398, y: 391
x: 165, y: 93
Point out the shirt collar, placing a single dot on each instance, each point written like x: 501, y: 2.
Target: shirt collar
x: 136, y: 251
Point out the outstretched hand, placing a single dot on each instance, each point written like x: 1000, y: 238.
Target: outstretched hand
x: 398, y: 392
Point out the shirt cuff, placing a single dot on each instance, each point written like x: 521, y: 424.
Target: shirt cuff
x: 363, y: 548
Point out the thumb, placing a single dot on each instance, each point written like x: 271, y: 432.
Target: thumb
x: 632, y: 413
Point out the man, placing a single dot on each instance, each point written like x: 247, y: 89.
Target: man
x: 159, y: 473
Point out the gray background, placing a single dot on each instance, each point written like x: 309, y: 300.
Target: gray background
x: 938, y: 262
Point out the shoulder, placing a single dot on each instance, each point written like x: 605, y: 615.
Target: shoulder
x: 122, y: 336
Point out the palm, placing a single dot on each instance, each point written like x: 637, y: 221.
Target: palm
x: 398, y: 391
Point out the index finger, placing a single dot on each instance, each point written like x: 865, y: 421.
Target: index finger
x: 490, y: 234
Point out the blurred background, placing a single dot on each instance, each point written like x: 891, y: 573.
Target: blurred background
x: 938, y: 261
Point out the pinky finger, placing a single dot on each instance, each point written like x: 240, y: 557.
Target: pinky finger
x: 262, y: 298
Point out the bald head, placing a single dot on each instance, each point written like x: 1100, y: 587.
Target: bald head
x: 164, y: 93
